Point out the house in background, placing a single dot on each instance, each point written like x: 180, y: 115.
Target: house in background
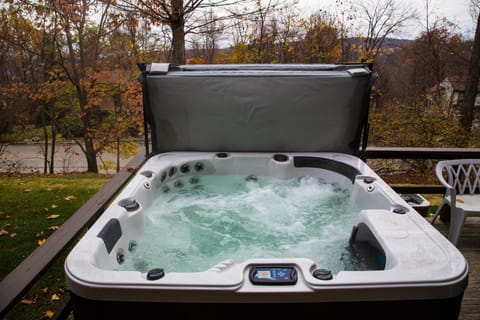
x: 449, y: 94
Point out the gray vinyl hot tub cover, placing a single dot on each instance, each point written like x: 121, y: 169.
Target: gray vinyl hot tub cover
x: 255, y: 107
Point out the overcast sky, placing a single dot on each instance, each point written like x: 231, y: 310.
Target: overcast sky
x: 457, y: 11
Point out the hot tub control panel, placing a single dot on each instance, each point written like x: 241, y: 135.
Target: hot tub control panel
x: 273, y: 275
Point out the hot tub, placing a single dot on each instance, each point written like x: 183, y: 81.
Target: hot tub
x: 226, y: 222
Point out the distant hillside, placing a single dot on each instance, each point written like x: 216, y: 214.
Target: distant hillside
x: 395, y: 43
x: 388, y: 43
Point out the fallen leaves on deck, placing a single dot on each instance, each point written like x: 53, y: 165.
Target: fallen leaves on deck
x: 48, y: 314
x: 29, y: 301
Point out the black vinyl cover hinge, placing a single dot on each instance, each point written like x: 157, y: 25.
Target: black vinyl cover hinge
x: 160, y: 68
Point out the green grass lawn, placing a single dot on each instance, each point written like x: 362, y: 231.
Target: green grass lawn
x: 31, y: 209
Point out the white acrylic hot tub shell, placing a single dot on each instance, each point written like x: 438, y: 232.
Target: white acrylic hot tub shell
x: 420, y: 262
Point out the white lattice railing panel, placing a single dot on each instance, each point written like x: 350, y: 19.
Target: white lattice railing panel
x: 465, y: 178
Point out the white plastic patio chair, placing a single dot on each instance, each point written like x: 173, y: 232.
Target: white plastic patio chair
x: 461, y: 179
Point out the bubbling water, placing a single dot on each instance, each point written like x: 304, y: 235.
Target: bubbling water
x: 200, y: 223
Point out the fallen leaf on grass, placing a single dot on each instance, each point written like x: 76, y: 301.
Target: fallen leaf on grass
x: 55, y: 297
x: 53, y: 228
x: 4, y: 216
x: 2, y: 232
x: 28, y: 301
x: 41, y: 241
x: 68, y: 198
x: 48, y: 314
x: 53, y: 216
x: 13, y: 235
x: 27, y: 190
x: 54, y: 206
x: 45, y: 290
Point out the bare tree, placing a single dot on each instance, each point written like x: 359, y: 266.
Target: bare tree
x: 471, y: 84
x: 474, y: 9
x: 184, y: 16
x: 435, y: 38
x: 263, y: 38
x: 206, y: 43
x: 383, y: 18
x: 289, y: 36
x: 346, y: 14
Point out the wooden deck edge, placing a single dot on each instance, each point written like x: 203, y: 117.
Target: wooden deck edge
x: 419, y: 153
x: 428, y: 189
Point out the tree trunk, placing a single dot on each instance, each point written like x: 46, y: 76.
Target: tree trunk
x: 471, y: 84
x: 52, y: 150
x: 178, y: 32
x: 117, y: 147
x: 86, y: 119
x: 117, y: 109
x: 91, y: 156
x: 45, y: 138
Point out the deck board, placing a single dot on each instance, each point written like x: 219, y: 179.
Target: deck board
x: 469, y: 245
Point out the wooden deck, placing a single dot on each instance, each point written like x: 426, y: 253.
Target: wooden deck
x: 469, y: 245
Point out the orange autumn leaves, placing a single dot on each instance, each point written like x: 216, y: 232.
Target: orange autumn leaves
x: 3, y: 232
x: 52, y: 216
x: 56, y: 296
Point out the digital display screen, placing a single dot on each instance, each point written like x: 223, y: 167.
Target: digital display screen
x: 273, y: 275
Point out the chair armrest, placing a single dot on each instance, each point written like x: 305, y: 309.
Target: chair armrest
x: 450, y: 190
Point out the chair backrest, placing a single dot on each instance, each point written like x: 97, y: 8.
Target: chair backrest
x: 462, y: 174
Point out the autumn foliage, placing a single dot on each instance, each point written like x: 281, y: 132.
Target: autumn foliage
x: 70, y: 67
